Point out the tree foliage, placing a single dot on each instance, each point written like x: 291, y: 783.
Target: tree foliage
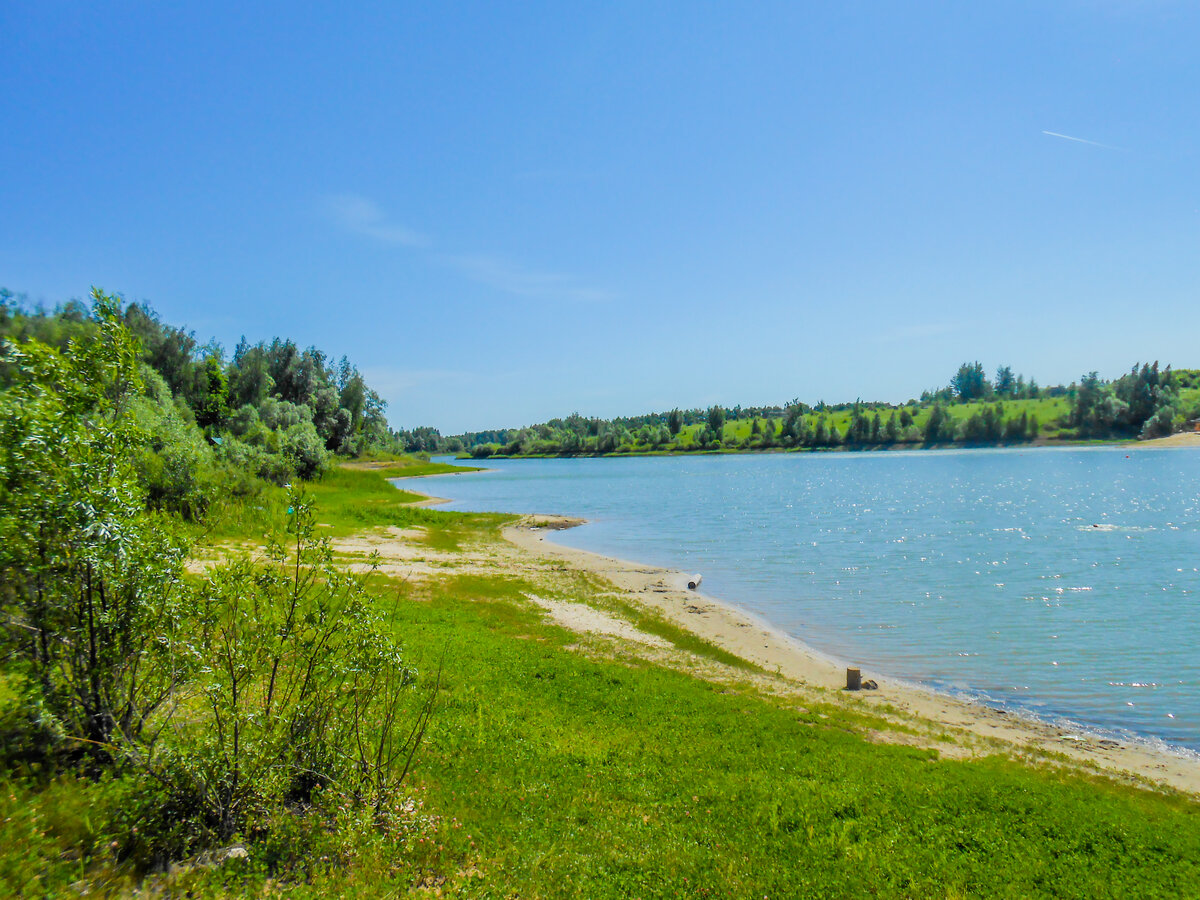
x: 225, y: 701
x: 1142, y: 403
x: 971, y: 382
x: 91, y: 580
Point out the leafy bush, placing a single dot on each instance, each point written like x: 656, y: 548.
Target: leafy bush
x: 176, y: 465
x: 304, y: 449
x: 280, y: 415
x: 243, y: 459
x: 303, y: 685
x: 91, y: 581
x: 1160, y: 424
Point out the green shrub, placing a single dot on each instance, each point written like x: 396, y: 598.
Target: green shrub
x: 304, y: 690
x: 243, y: 459
x: 176, y: 464
x: 303, y: 447
x: 91, y: 581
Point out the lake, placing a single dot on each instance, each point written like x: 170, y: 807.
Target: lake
x: 1064, y: 583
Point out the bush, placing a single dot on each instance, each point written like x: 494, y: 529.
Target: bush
x: 91, y: 581
x: 176, y: 465
x: 1161, y: 424
x: 243, y: 460
x: 244, y: 420
x: 304, y: 449
x: 280, y: 415
x: 304, y: 687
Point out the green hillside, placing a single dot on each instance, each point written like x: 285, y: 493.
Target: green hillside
x: 1145, y: 403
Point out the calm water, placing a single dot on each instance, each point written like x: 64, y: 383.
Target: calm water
x: 1064, y: 582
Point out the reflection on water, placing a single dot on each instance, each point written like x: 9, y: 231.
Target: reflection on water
x: 1063, y: 581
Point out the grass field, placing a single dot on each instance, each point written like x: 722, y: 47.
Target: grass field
x: 565, y: 766
x: 349, y: 499
x: 1049, y: 412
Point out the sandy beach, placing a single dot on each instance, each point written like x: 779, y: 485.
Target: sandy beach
x: 1180, y: 441
x: 974, y: 729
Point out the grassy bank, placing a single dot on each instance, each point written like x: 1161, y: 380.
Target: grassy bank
x: 562, y: 765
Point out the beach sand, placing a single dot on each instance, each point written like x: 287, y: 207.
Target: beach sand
x: 1185, y: 439
x: 956, y: 727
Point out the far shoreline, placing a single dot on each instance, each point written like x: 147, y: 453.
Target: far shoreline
x: 1179, y: 440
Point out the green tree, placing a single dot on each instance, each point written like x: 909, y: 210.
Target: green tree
x: 1006, y: 382
x: 821, y: 433
x: 972, y: 429
x: 674, y: 421
x: 250, y: 381
x: 936, y: 425
x: 970, y: 382
x: 213, y: 408
x: 716, y: 421
x: 1088, y: 395
x: 1016, y: 427
x: 91, y: 583
x: 768, y: 432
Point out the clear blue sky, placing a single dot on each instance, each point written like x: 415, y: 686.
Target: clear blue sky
x: 507, y: 212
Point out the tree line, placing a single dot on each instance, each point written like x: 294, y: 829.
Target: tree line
x: 972, y: 408
x: 271, y: 410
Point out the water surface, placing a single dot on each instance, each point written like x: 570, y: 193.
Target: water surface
x: 1063, y: 582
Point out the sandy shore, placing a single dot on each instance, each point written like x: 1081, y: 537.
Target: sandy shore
x: 1185, y: 439
x: 986, y: 730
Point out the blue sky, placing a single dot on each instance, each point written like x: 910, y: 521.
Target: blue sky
x: 504, y: 213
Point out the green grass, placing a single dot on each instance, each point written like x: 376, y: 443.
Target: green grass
x: 585, y: 778
x: 551, y: 772
x: 555, y: 774
x: 349, y: 499
x: 412, y: 467
x: 1049, y: 411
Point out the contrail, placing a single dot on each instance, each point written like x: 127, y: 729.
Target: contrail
x: 1067, y: 137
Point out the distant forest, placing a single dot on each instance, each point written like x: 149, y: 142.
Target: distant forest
x: 972, y: 409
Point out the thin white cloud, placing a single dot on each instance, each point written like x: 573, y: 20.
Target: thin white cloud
x: 1079, y: 140
x: 504, y: 275
x: 363, y: 216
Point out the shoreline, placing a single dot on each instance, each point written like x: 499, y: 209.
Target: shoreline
x: 1180, y: 439
x: 721, y: 622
